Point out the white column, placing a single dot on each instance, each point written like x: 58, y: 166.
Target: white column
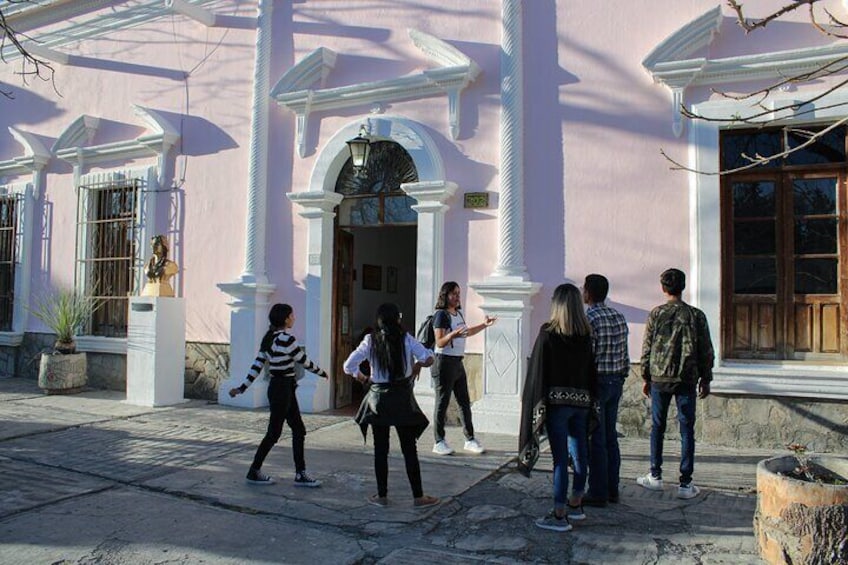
x: 315, y: 394
x: 248, y: 319
x: 430, y: 197
x: 507, y: 291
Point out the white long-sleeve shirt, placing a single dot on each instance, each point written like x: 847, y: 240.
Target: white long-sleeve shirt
x: 413, y: 350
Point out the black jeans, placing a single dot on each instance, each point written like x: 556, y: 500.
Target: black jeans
x: 449, y: 376
x: 284, y: 408
x: 410, y: 456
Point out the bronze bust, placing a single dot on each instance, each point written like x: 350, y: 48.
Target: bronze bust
x: 159, y: 269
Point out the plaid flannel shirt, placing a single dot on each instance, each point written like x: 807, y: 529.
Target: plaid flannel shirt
x: 609, y: 339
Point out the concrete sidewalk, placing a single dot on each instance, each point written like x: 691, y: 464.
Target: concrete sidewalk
x: 89, y: 479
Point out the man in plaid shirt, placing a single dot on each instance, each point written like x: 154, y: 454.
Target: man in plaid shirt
x: 609, y: 341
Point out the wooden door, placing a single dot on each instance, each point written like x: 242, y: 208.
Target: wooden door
x: 814, y: 213
x: 342, y: 315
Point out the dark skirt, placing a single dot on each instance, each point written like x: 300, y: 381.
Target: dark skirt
x: 391, y: 404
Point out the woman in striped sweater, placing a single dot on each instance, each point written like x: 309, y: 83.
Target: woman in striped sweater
x: 281, y: 351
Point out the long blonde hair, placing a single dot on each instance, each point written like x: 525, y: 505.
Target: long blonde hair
x: 567, y: 315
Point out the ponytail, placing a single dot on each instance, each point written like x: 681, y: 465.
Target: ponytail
x: 277, y: 321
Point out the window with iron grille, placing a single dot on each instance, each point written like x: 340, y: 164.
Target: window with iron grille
x: 9, y: 210
x: 109, y: 225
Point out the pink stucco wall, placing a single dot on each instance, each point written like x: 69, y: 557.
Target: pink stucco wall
x: 598, y: 195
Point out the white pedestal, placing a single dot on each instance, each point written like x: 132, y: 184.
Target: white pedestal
x: 156, y: 351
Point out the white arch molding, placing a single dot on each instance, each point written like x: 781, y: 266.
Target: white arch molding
x: 317, y: 205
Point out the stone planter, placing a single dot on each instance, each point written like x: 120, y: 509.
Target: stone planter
x: 801, y: 522
x: 62, y: 373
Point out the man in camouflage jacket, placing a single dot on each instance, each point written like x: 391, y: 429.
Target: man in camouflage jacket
x: 677, y: 361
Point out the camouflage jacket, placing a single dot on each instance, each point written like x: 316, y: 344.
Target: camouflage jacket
x: 677, y: 346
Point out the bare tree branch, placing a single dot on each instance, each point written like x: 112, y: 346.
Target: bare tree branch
x: 758, y: 159
x: 763, y: 116
x: 31, y: 66
x: 751, y: 25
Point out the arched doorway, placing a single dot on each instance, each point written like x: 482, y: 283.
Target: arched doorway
x: 319, y: 204
x: 375, y: 260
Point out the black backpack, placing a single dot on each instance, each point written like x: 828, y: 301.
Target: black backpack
x: 426, y: 335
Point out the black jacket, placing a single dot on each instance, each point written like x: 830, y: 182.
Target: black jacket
x: 561, y: 371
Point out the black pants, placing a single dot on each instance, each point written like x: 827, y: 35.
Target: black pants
x: 284, y: 408
x: 449, y: 377
x: 406, y: 435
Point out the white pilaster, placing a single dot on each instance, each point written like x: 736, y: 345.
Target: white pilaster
x: 315, y: 394
x: 431, y: 198
x: 248, y: 323
x: 507, y: 292
x: 248, y: 319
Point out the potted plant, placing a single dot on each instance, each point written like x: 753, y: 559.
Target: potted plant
x: 802, y: 508
x: 65, y: 312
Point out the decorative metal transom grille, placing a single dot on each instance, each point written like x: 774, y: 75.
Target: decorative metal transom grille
x: 375, y: 197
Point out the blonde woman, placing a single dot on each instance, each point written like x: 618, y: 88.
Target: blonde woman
x: 560, y: 388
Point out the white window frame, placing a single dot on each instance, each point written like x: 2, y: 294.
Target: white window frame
x: 23, y: 261
x: 145, y: 206
x: 767, y: 378
x: 72, y: 146
x: 35, y: 157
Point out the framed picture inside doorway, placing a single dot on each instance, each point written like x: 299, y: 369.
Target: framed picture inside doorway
x: 391, y: 279
x: 372, y: 277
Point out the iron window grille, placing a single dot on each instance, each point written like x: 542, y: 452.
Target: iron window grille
x: 11, y: 206
x: 109, y: 230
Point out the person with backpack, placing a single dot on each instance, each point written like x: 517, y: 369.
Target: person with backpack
x: 448, y: 372
x: 395, y: 359
x: 677, y: 361
x: 280, y: 351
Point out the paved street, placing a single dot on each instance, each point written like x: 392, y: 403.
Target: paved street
x: 88, y: 479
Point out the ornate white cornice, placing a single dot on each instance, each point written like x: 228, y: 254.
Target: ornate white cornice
x: 72, y: 144
x: 35, y: 155
x: 693, y: 36
x: 317, y: 65
x: 454, y: 73
x: 669, y: 64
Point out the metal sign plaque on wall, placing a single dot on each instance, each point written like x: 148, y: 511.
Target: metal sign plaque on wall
x: 476, y: 200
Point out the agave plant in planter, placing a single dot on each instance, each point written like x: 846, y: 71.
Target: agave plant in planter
x: 64, y: 312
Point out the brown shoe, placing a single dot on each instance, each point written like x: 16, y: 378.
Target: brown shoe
x: 424, y: 501
x: 378, y: 500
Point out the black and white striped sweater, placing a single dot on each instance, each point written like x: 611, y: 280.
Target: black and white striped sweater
x: 284, y: 353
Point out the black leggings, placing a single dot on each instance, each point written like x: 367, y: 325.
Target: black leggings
x: 410, y: 457
x: 451, y: 378
x: 284, y: 408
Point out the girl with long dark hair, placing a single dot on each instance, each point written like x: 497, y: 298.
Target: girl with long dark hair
x: 396, y: 359
x: 448, y: 370
x: 281, y: 351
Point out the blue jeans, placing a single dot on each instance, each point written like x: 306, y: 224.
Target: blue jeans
x: 604, y: 452
x: 686, y: 417
x: 567, y: 427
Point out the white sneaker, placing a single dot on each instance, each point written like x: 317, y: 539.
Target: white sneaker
x: 687, y: 491
x: 473, y: 446
x: 442, y: 448
x: 650, y: 482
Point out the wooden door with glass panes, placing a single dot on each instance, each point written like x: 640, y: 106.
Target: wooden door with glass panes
x: 342, y: 323
x: 783, y: 271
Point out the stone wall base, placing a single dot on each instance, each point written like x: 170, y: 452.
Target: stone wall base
x: 744, y: 421
x: 206, y: 365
